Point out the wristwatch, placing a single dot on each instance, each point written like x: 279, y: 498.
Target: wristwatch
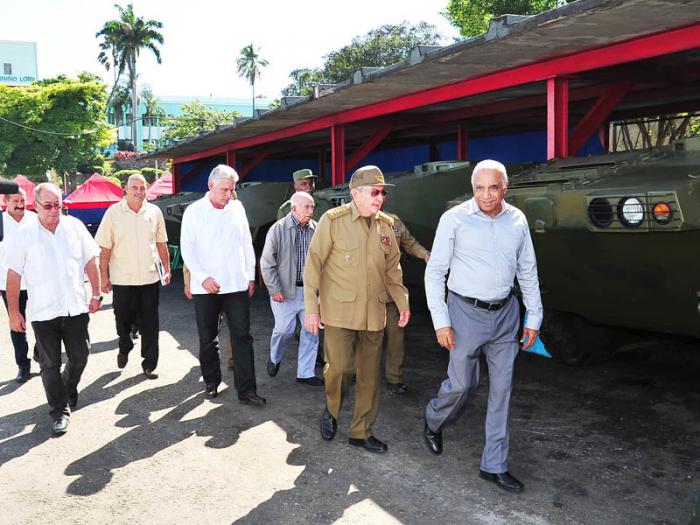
x: 97, y: 298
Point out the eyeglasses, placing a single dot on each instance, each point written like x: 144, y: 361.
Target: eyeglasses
x: 48, y: 206
x: 374, y: 193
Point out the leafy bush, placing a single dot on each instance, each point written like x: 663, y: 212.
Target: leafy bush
x: 151, y: 174
x: 123, y: 175
x: 97, y: 169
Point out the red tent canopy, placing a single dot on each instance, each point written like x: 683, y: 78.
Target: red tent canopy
x: 28, y: 186
x: 96, y: 192
x: 163, y: 186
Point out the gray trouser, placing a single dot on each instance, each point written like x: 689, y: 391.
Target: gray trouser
x: 495, y: 333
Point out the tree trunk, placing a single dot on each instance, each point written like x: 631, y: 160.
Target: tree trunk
x: 134, y: 106
x: 252, y: 84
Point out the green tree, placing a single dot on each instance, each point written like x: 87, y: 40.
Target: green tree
x: 248, y: 66
x: 196, y: 119
x: 122, y: 42
x: 472, y: 17
x: 153, y: 111
x: 54, y: 124
x: 380, y: 47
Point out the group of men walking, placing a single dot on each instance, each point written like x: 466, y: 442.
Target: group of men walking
x: 342, y: 275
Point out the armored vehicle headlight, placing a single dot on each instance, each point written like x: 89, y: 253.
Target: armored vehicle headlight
x: 662, y: 213
x: 600, y: 211
x: 630, y: 211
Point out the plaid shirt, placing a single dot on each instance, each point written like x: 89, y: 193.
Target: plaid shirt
x: 302, y: 238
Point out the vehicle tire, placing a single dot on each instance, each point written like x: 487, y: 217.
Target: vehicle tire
x: 574, y: 341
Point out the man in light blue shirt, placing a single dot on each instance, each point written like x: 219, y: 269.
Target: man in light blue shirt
x: 485, y: 244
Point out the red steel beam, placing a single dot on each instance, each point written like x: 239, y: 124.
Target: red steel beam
x: 639, y: 48
x: 368, y: 146
x: 337, y: 155
x: 557, y: 118
x: 462, y: 147
x: 252, y: 164
x: 595, y: 117
x: 176, y: 178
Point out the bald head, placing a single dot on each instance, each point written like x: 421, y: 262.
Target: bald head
x: 302, y: 206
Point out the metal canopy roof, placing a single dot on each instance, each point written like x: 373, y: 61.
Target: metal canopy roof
x: 419, y: 91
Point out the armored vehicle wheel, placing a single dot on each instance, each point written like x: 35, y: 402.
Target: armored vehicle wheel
x: 574, y: 341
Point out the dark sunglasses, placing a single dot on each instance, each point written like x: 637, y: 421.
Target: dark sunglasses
x: 48, y: 206
x: 375, y: 192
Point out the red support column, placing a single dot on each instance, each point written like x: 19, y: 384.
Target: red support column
x: 176, y: 178
x: 337, y: 155
x: 322, y: 164
x: 557, y: 118
x: 231, y: 158
x: 462, y: 146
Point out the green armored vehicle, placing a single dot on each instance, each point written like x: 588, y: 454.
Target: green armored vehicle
x: 617, y: 238
x: 260, y: 199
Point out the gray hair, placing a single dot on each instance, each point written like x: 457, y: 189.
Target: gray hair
x: 300, y: 196
x: 48, y: 186
x: 222, y: 171
x: 136, y: 176
x: 490, y: 165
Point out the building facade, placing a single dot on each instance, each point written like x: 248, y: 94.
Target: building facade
x: 18, y: 63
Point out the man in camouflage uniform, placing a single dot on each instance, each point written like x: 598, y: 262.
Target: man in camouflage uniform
x: 303, y: 181
x: 352, y: 270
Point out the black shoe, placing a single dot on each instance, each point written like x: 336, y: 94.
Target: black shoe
x: 398, y: 389
x: 329, y: 426
x: 150, y: 374
x: 272, y: 368
x: 73, y: 400
x: 22, y: 375
x: 433, y: 440
x: 252, y: 398
x: 212, y: 391
x: 371, y: 444
x: 60, y: 426
x: 122, y: 359
x: 503, y: 480
x: 313, y: 381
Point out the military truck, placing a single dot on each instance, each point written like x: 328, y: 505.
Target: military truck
x: 617, y: 238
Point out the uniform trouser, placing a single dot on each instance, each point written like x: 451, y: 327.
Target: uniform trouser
x: 495, y: 334
x: 347, y: 352
x: 73, y: 331
x: 393, y: 367
x: 138, y: 304
x: 286, y: 314
x: 236, y: 308
x: 19, y: 339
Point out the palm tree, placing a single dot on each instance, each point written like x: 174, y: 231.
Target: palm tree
x: 248, y: 66
x: 152, y: 108
x: 122, y: 41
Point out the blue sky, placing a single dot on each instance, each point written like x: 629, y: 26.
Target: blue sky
x: 204, y: 37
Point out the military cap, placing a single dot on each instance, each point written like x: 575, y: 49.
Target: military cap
x: 368, y: 176
x: 303, y: 174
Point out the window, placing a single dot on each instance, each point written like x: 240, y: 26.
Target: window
x: 6, y: 69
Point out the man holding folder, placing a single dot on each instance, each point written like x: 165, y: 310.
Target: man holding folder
x: 133, y: 246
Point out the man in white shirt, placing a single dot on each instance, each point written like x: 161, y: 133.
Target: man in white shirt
x: 133, y: 243
x: 13, y: 218
x: 218, y: 250
x: 53, y: 255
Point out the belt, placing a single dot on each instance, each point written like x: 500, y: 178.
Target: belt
x: 483, y: 304
x: 300, y: 283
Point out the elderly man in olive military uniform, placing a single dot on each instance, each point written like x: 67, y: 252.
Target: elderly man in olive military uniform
x: 352, y: 270
x: 303, y: 181
x: 395, y: 350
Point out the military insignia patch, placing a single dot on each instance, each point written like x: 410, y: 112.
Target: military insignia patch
x: 386, y: 239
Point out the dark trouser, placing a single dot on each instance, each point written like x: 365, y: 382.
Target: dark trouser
x: 236, y: 308
x: 73, y: 331
x: 138, y: 304
x: 19, y: 339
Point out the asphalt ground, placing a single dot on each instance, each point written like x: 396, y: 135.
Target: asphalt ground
x: 611, y: 444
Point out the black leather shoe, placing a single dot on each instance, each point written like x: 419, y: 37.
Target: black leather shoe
x: 272, y: 368
x: 372, y: 444
x: 329, y: 426
x: 397, y: 388
x: 503, y: 480
x: 122, y: 359
x: 433, y: 440
x: 150, y: 374
x: 252, y: 398
x: 313, y: 381
x: 60, y: 426
x: 22, y: 375
x: 212, y: 391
